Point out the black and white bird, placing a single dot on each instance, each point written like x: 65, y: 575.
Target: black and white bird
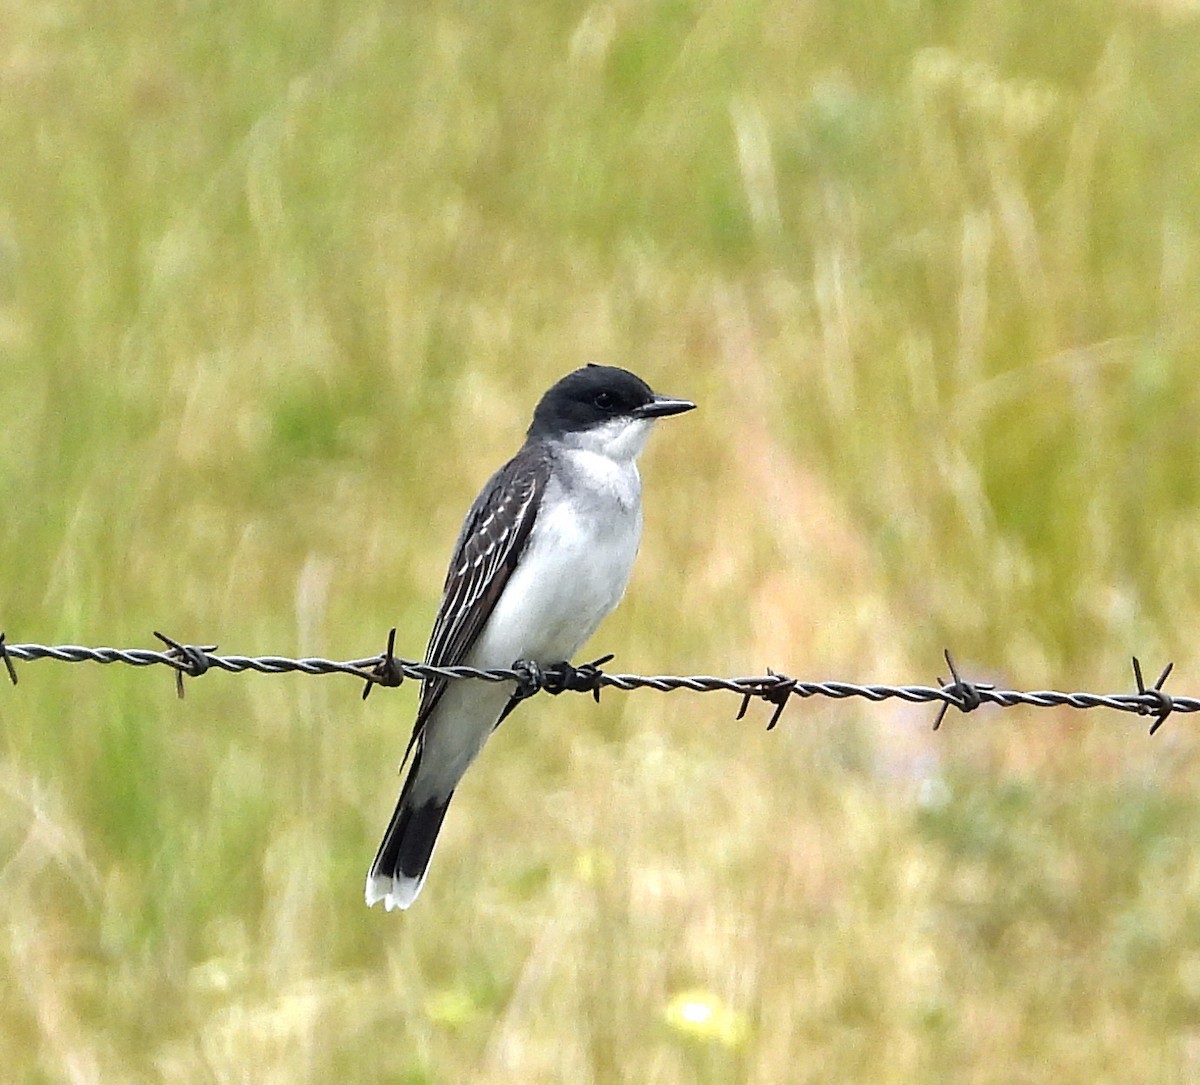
x: 544, y: 554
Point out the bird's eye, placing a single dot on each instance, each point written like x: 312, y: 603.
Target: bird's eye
x: 603, y: 400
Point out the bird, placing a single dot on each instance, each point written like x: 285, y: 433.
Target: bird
x: 544, y: 554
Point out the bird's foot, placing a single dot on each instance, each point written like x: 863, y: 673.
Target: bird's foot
x: 582, y: 679
x: 532, y: 678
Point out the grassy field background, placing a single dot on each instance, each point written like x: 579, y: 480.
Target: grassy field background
x: 932, y: 271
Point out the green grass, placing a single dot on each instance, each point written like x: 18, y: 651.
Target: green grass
x: 931, y: 272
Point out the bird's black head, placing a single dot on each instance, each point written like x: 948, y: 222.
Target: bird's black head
x: 597, y: 396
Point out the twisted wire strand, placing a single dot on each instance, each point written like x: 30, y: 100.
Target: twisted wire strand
x: 778, y: 689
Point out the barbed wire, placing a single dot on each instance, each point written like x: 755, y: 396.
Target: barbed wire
x: 774, y: 688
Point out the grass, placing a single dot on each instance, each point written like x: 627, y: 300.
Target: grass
x: 930, y: 271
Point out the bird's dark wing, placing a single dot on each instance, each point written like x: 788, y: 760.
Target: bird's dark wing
x: 489, y: 546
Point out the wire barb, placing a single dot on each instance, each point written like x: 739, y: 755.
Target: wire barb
x: 1161, y: 704
x: 778, y: 693
x: 775, y: 689
x: 964, y: 695
x: 186, y: 659
x: 8, y: 663
x: 387, y: 672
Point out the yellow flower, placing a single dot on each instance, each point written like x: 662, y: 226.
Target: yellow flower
x: 452, y: 1008
x: 701, y: 1015
x: 594, y: 866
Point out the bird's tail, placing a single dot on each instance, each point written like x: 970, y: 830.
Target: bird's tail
x: 400, y: 865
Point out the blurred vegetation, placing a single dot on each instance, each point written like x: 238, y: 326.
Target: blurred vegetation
x: 279, y: 286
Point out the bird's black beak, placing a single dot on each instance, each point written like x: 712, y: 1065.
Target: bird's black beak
x: 661, y: 406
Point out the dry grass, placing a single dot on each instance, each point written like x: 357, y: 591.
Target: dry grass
x: 931, y: 272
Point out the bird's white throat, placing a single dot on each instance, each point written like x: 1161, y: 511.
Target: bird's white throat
x: 619, y: 439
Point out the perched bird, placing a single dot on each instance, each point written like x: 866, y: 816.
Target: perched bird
x: 544, y: 554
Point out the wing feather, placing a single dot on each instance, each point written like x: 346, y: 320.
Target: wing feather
x: 489, y: 546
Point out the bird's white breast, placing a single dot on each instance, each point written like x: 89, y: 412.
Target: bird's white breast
x: 575, y: 567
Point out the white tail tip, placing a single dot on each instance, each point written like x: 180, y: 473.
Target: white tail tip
x: 395, y: 892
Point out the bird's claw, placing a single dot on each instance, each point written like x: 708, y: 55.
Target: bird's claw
x: 586, y: 678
